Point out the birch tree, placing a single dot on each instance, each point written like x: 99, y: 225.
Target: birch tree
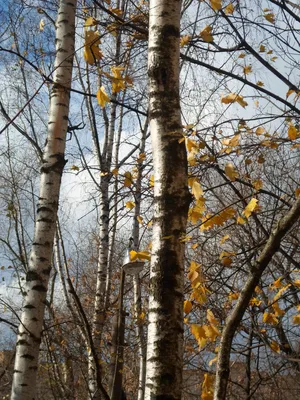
x: 171, y: 202
x: 37, y: 278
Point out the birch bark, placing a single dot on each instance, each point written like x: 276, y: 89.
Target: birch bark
x: 37, y: 278
x: 171, y: 202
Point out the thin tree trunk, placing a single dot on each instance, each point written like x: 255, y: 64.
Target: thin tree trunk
x: 37, y: 278
x: 235, y: 317
x: 171, y: 202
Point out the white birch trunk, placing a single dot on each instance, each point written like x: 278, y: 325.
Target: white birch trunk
x: 171, y: 202
x: 37, y: 278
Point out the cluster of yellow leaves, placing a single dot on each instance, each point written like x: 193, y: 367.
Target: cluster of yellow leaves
x: 234, y: 98
x: 196, y: 278
x: 205, y: 333
x: 231, y: 143
x: 196, y: 212
x: 139, y: 255
x: 91, y: 52
x: 270, y: 318
x: 216, y: 5
x: 208, y: 387
x: 209, y: 221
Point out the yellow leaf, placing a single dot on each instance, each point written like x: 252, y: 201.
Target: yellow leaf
x: 270, y: 17
x: 207, y: 392
x: 227, y: 261
x: 115, y: 171
x: 270, y: 52
x: 297, y: 283
x: 261, y: 159
x: 42, y: 24
x: 275, y: 346
x: 262, y: 48
x: 278, y: 312
x: 276, y: 284
x: 231, y: 172
x: 91, y: 52
x: 279, y: 293
x: 289, y: 92
x: 296, y: 319
x: 216, y: 4
x: 232, y: 98
x: 74, y: 168
x: 257, y: 184
x: 242, y: 55
x: 130, y: 205
x: 191, y: 144
x: 215, y: 359
x: 260, y: 83
x: 224, y: 238
x: 247, y: 69
x: 143, y: 255
x: 90, y: 21
x: 233, y: 296
x: 199, y: 334
x: 139, y: 219
x: 128, y: 179
x: 206, y: 34
x: 260, y: 130
x: 141, y: 158
x: 211, y: 332
x: 297, y: 192
x: 211, y: 318
x: 133, y: 255
x: 229, y: 9
x: 274, y: 59
x: 197, y: 190
x: 151, y: 181
x: 255, y: 302
x: 187, y: 306
x: 184, y: 40
x: 102, y: 97
x: 269, y: 318
x: 118, y: 82
x: 240, y: 220
x: 251, y: 206
x: 292, y: 132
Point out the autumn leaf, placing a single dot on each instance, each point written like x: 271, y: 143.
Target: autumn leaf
x: 296, y: 319
x: 206, y: 34
x: 240, y: 220
x: 130, y: 205
x: 270, y: 17
x: 232, y: 98
x: 216, y: 5
x: 247, y: 69
x: 229, y: 9
x: 128, y: 179
x: 224, y: 238
x: 139, y: 219
x: 199, y: 334
x: 92, y: 52
x: 184, y: 40
x: 197, y: 190
x: 292, y: 132
x: 231, y: 172
x: 102, y: 97
x: 41, y: 25
x: 275, y: 346
x: 74, y: 168
x: 233, y: 296
x: 118, y: 82
x: 260, y: 83
x: 270, y: 318
x: 211, y: 332
x: 151, y: 180
x: 211, y: 318
x: 278, y: 312
x: 251, y: 206
x: 187, y: 306
x: 133, y: 255
x: 257, y: 184
x: 144, y: 255
x: 207, y: 392
x: 90, y: 21
x: 262, y: 48
x: 260, y: 130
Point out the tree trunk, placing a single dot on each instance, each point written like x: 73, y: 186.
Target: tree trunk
x: 171, y: 202
x: 37, y: 278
